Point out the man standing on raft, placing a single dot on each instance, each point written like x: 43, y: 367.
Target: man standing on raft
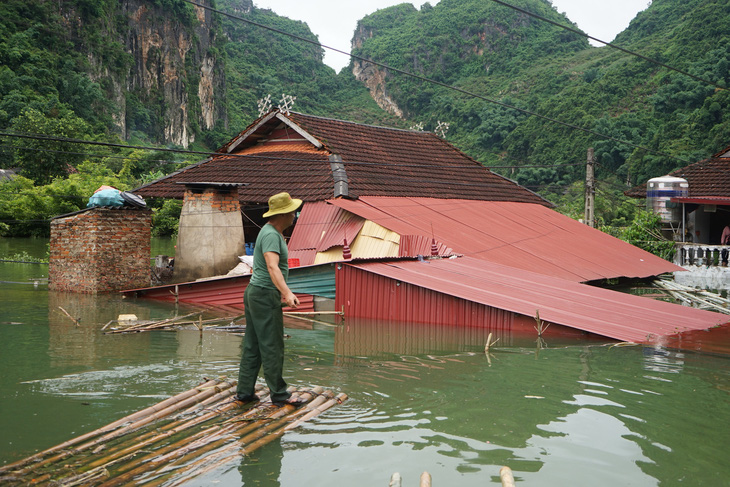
x: 263, y: 343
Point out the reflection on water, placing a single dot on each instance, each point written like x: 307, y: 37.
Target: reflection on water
x: 421, y: 398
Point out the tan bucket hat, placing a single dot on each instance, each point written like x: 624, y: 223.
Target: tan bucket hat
x: 282, y: 203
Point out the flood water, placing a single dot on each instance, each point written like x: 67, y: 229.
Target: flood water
x: 575, y: 412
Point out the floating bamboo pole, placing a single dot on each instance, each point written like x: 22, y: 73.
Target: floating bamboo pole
x: 70, y: 317
x: 425, y: 480
x: 168, y: 430
x: 261, y: 437
x: 505, y: 475
x: 126, y: 428
x: 190, y: 447
x: 105, y: 429
x: 184, y: 446
x: 152, y: 326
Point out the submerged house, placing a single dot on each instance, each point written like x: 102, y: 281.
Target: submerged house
x: 380, y: 200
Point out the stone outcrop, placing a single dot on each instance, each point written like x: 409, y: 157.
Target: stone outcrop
x: 175, y: 68
x: 373, y: 76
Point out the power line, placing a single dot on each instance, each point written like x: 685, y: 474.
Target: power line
x: 438, y: 83
x: 244, y: 156
x: 91, y: 154
x: 614, y: 46
x: 103, y: 144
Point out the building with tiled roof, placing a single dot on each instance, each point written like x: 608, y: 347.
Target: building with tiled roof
x: 702, y: 213
x: 429, y: 194
x: 708, y: 179
x: 318, y: 158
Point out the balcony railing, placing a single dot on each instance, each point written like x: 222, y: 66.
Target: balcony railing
x: 700, y: 254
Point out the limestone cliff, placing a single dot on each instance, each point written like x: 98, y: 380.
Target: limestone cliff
x: 373, y: 76
x: 174, y: 67
x: 167, y: 79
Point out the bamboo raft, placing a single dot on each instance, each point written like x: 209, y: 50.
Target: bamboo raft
x: 172, y: 442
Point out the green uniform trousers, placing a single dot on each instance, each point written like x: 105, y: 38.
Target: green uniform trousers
x: 263, y: 343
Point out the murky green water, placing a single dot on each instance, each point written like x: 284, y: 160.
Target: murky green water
x: 422, y: 398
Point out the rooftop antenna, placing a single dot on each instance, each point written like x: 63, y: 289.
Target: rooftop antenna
x: 286, y: 103
x: 264, y: 105
x: 442, y: 128
x: 417, y: 127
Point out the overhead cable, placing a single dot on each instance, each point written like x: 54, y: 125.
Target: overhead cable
x: 614, y: 46
x: 229, y: 156
x: 439, y: 83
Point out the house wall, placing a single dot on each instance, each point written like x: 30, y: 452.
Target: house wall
x: 100, y: 250
x: 363, y: 294
x: 210, y: 236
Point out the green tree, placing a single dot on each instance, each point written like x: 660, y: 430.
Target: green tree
x: 645, y: 233
x: 42, y: 160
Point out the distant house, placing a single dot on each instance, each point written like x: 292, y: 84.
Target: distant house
x: 702, y: 211
x: 7, y: 175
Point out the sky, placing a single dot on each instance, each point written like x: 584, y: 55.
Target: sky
x: 334, y: 21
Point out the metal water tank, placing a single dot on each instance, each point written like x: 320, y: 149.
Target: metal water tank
x: 660, y: 190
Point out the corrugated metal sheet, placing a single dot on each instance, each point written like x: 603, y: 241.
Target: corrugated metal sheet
x: 316, y: 280
x: 223, y: 292
x: 375, y: 241
x: 322, y: 228
x: 522, y: 235
x: 466, y: 290
x: 413, y: 245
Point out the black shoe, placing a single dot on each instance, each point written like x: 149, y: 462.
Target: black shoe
x: 249, y: 398
x: 291, y: 402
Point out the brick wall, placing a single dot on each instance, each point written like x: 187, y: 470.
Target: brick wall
x: 100, y: 250
x: 218, y: 200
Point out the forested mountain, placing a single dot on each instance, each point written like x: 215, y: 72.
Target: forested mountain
x: 507, y: 56
x: 167, y: 73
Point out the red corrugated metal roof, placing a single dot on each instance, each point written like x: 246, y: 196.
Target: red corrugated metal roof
x: 703, y: 201
x: 581, y: 306
x: 217, y: 292
x: 322, y: 226
x: 520, y: 235
x: 413, y: 245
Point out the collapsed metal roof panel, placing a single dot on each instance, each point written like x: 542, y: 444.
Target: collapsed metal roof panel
x: 596, y: 310
x: 521, y: 235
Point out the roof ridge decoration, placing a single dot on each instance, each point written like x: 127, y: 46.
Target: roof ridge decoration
x: 285, y: 104
x: 235, y: 143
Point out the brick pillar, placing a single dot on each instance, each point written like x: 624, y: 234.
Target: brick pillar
x: 100, y: 250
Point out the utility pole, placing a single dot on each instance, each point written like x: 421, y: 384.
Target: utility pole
x: 589, y: 217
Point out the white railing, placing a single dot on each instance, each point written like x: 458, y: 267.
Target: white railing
x: 700, y: 254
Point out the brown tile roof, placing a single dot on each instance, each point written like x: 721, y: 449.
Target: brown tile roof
x: 707, y: 178
x: 291, y: 153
